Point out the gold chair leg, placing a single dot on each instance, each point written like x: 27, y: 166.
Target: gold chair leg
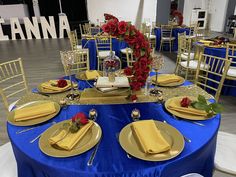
x: 170, y: 46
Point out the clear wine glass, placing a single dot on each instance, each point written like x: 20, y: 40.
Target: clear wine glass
x: 157, y: 64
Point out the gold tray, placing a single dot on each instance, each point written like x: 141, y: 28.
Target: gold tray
x: 183, y: 115
x: 11, y: 120
x: 90, y: 139
x: 43, y: 90
x: 173, y: 84
x: 82, y: 76
x: 172, y: 136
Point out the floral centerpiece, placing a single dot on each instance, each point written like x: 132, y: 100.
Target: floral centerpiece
x: 141, y: 51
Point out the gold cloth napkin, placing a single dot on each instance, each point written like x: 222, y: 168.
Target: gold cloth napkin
x: 67, y: 140
x: 167, y: 79
x: 206, y: 42
x: 175, y: 105
x: 149, y: 137
x: 49, y: 86
x: 92, y: 74
x: 35, y: 111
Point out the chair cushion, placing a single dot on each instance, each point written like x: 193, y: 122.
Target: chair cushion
x: 79, y: 46
x: 184, y: 56
x: 7, y: 161
x: 225, y: 157
x: 124, y: 50
x: 232, y: 71
x: 168, y: 38
x: 105, y: 53
x: 193, y: 64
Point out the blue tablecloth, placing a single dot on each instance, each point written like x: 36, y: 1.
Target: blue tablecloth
x: 90, y: 44
x: 111, y: 159
x: 221, y: 52
x: 175, y: 33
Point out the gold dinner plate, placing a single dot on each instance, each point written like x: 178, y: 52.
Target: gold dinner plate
x: 35, y: 121
x: 183, y: 115
x: 82, y: 76
x: 90, y: 139
x: 43, y: 90
x: 173, y: 84
x: 171, y: 135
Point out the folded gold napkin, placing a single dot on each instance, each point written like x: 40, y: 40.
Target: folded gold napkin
x: 175, y: 105
x: 167, y: 79
x: 50, y: 86
x: 92, y: 74
x: 67, y: 140
x: 206, y: 42
x: 35, y: 111
x: 149, y: 137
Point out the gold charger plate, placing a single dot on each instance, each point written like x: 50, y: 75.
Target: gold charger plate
x: 82, y: 76
x: 11, y: 120
x: 183, y: 115
x: 173, y: 84
x: 90, y: 139
x: 171, y: 134
x: 47, y: 91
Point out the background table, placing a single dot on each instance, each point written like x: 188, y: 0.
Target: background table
x: 90, y: 44
x: 175, y: 32
x: 111, y: 159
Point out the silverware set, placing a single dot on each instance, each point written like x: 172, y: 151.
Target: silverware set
x: 190, y: 121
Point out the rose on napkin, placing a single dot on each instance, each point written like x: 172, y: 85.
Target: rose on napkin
x: 185, y: 102
x: 78, y: 121
x: 61, y: 83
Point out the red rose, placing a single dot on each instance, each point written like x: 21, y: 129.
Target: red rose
x: 61, y: 83
x: 122, y: 26
x: 128, y: 71
x: 137, y: 53
x: 113, y: 26
x: 185, y: 102
x: 81, y: 117
x: 143, y: 61
x: 106, y: 28
x: 133, y: 98
x: 135, y: 85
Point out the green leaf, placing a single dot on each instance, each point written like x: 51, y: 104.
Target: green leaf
x: 199, y: 105
x: 202, y: 99
x: 217, y: 108
x: 127, y: 33
x: 65, y: 125
x: 74, y: 128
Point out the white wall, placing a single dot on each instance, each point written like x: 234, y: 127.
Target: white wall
x: 127, y: 10
x: 217, y: 13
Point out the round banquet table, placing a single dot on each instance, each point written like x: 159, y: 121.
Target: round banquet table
x: 111, y: 159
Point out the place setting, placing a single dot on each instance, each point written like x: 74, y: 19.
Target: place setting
x: 150, y: 140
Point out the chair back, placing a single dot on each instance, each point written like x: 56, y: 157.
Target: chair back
x: 12, y: 80
x: 166, y: 31
x: 184, y: 48
x: 103, y: 43
x: 211, y: 73
x: 130, y: 57
x: 73, y: 39
x: 231, y: 53
x: 94, y: 30
x: 84, y: 29
x: 79, y: 63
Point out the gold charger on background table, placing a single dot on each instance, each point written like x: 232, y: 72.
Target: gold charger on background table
x: 173, y: 84
x: 82, y: 76
x: 172, y: 136
x: 36, y: 120
x: 47, y: 91
x: 90, y: 139
x: 181, y: 114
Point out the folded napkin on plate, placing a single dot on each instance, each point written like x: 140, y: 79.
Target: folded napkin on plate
x: 67, y: 140
x: 175, y: 105
x: 92, y: 74
x: 35, y: 111
x: 206, y: 42
x: 51, y: 85
x: 149, y: 137
x: 167, y: 79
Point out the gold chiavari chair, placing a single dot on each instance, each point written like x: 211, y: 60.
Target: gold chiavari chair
x: 12, y: 81
x: 74, y: 40
x: 84, y: 30
x: 166, y: 36
x: 211, y: 73
x: 103, y: 47
x: 185, y: 65
x: 149, y: 33
x: 81, y: 60
x: 231, y: 54
x: 96, y: 30
x: 129, y: 57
